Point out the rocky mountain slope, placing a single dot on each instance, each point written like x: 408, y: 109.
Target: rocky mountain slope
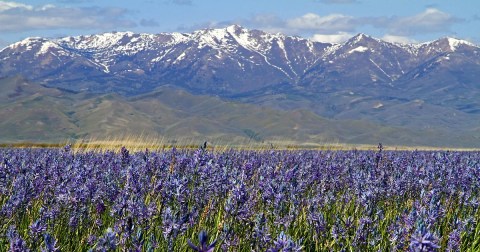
x: 230, y: 61
x: 430, y: 86
x: 219, y: 61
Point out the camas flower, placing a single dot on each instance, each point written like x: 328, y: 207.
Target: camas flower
x: 285, y: 243
x: 203, y: 246
x: 423, y: 240
x: 50, y: 244
x: 17, y: 244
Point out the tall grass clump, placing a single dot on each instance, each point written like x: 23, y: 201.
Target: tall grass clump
x: 271, y: 200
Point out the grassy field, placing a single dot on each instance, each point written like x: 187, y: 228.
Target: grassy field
x: 264, y: 200
x: 142, y: 142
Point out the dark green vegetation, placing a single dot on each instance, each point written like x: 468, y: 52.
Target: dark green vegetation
x: 33, y: 113
x: 55, y: 199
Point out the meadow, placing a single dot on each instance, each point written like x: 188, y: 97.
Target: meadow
x: 61, y: 199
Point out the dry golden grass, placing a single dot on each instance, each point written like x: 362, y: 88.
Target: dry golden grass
x: 142, y: 142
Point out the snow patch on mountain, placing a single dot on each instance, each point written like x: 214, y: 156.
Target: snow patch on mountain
x: 127, y: 43
x: 359, y: 49
x: 47, y: 46
x: 117, y: 52
x: 176, y: 38
x: 179, y: 58
x: 27, y: 43
x: 455, y: 43
x: 332, y: 49
x: 242, y: 37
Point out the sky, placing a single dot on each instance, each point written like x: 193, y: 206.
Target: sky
x: 404, y: 21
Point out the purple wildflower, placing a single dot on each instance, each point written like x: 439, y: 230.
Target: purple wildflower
x: 203, y: 246
x: 285, y: 243
x: 50, y: 244
x: 423, y: 240
x: 17, y: 244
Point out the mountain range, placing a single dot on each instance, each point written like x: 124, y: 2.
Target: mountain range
x: 364, y: 90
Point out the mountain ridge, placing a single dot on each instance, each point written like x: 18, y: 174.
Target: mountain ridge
x: 147, y: 58
x: 108, y: 54
x: 427, y: 86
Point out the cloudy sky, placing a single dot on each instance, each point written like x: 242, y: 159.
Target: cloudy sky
x: 322, y: 20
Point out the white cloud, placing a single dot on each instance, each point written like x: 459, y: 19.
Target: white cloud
x: 15, y: 17
x: 335, y: 28
x: 398, y: 39
x: 323, y: 24
x: 4, y: 6
x: 430, y: 21
x: 332, y: 38
x: 48, y: 6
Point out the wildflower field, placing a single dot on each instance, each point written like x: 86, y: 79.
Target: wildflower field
x: 271, y: 200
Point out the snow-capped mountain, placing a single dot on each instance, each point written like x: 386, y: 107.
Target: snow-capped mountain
x: 429, y: 89
x: 229, y: 60
x: 364, y: 60
x: 235, y: 60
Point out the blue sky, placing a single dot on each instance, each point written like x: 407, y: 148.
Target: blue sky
x: 321, y: 20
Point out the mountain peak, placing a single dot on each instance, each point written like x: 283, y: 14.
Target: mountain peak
x: 29, y: 41
x: 212, y: 55
x: 118, y: 33
x: 27, y: 44
x: 449, y: 44
x: 234, y: 27
x: 455, y: 43
x: 125, y: 41
x: 361, y: 37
